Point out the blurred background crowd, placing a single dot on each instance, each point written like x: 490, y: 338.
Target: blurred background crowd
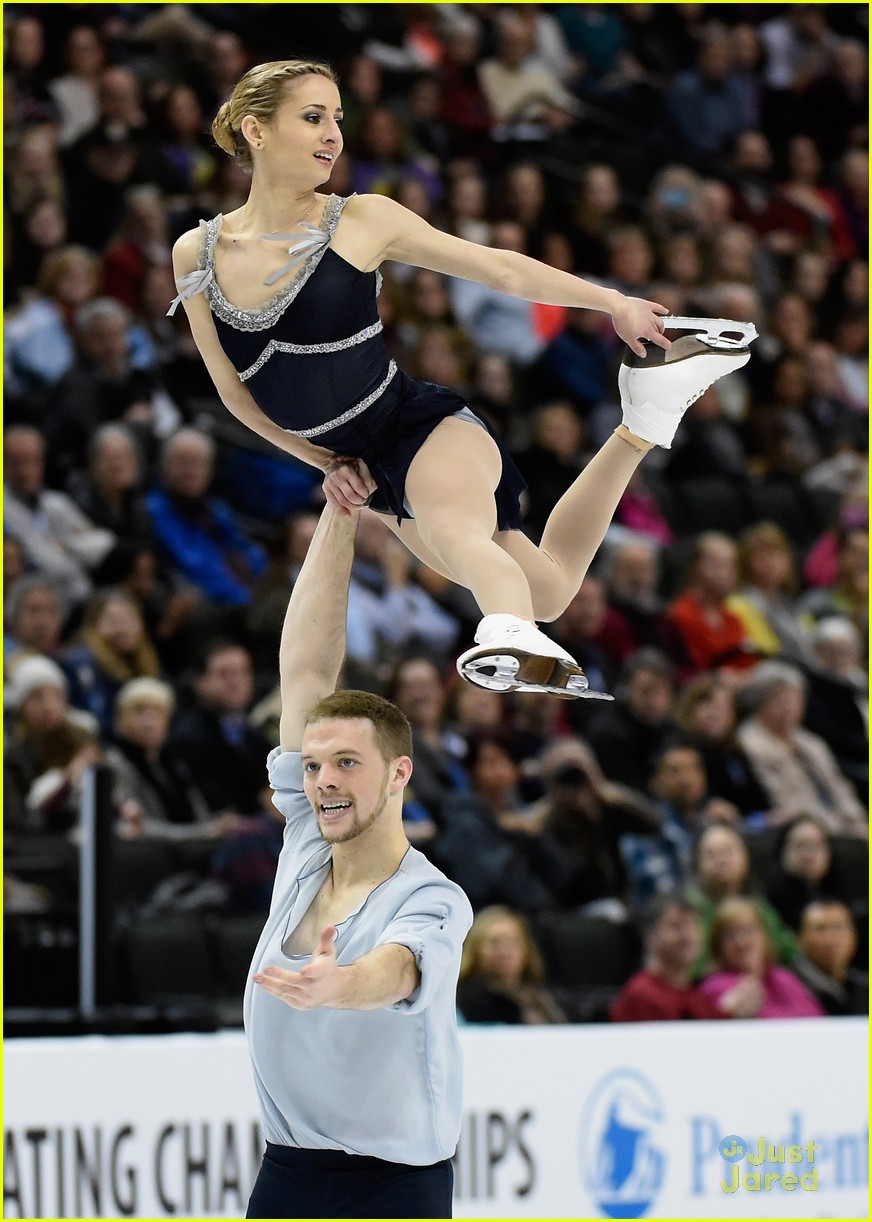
x: 696, y: 848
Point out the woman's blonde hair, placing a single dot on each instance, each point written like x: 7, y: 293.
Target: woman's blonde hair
x: 144, y: 660
x: 470, y: 963
x: 260, y: 92
x: 726, y: 912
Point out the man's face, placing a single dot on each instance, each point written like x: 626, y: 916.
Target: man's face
x: 188, y: 468
x: 24, y: 463
x: 676, y: 939
x: 827, y: 937
x: 650, y: 697
x: 227, y: 685
x: 345, y: 777
x: 37, y: 621
x: 681, y: 778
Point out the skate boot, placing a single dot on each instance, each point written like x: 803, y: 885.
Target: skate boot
x: 658, y: 388
x: 512, y: 655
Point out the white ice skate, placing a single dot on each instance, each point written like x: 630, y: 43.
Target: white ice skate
x: 512, y: 655
x: 658, y: 388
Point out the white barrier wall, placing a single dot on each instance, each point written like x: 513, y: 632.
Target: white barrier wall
x: 559, y: 1122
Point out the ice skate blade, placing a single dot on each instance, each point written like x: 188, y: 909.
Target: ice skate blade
x: 722, y: 334
x: 518, y: 671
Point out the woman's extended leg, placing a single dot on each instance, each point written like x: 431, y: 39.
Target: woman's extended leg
x: 576, y: 527
x: 450, y: 487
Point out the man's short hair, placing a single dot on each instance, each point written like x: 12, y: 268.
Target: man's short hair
x: 393, y: 733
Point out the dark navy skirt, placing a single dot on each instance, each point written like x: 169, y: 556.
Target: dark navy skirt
x: 389, y: 434
x: 296, y: 1183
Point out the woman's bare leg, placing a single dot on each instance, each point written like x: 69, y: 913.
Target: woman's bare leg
x: 576, y: 527
x: 450, y: 487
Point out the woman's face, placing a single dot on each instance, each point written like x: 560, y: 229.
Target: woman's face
x: 714, y: 718
x: 46, y: 225
x: 722, y: 860
x: 806, y: 852
x: 770, y: 566
x: 494, y: 771
x: 503, y: 952
x: 120, y: 626
x: 44, y: 709
x: 743, y: 945
x: 84, y: 51
x: 77, y: 284
x: 305, y: 127
x: 184, y: 113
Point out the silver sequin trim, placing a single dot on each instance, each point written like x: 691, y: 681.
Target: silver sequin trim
x: 278, y: 345
x: 264, y: 316
x: 352, y: 411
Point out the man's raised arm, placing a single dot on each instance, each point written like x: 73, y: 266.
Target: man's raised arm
x: 313, y: 636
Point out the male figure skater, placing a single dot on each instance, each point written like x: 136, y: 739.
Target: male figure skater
x: 350, y: 1009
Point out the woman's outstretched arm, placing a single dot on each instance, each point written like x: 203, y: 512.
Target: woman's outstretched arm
x: 400, y: 234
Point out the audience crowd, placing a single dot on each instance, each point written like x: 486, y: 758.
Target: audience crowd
x: 711, y: 157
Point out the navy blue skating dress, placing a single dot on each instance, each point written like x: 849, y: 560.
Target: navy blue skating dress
x: 315, y: 362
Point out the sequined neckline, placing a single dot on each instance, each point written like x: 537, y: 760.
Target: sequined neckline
x: 263, y: 316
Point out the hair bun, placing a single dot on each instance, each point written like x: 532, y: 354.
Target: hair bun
x: 222, y: 130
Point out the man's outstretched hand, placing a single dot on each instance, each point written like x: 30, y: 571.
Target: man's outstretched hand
x: 319, y: 983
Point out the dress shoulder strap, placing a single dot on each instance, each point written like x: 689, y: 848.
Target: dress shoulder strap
x: 199, y: 280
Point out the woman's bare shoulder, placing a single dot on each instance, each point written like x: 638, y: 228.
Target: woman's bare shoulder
x: 186, y: 250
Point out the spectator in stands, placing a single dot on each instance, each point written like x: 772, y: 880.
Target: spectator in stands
x: 519, y: 93
x: 586, y: 815
x: 112, y: 648
x: 598, y: 211
x: 712, y: 634
x: 141, y: 242
x: 742, y: 951
x: 416, y: 687
x: 663, y: 990
x: 26, y: 72
x: 488, y: 844
x: 492, y: 320
x: 709, y: 445
x: 33, y: 618
x: 40, y: 232
x: 109, y: 491
x: 722, y: 869
x: 39, y: 346
x: 171, y: 806
x: 75, y: 90
x: 502, y: 974
x: 631, y: 573
x: 796, y: 768
x: 629, y: 735
x: 706, y: 713
x: 107, y: 383
x: 224, y: 752
x: 108, y: 158
x: 710, y: 105
x: 838, y: 697
x: 803, y: 868
x: 57, y: 538
x: 828, y: 944
x: 387, y: 611
x: 765, y: 599
x: 47, y: 751
x: 849, y: 594
x: 589, y: 628
x: 184, y: 164
x: 197, y: 531
x: 662, y: 862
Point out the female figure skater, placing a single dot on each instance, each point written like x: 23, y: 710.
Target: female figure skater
x: 304, y: 365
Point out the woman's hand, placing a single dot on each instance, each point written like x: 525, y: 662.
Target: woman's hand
x: 348, y: 484
x: 635, y: 319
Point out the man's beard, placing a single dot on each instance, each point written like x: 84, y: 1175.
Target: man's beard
x: 360, y: 824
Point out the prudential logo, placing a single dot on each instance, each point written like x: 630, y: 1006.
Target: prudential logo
x: 621, y: 1157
